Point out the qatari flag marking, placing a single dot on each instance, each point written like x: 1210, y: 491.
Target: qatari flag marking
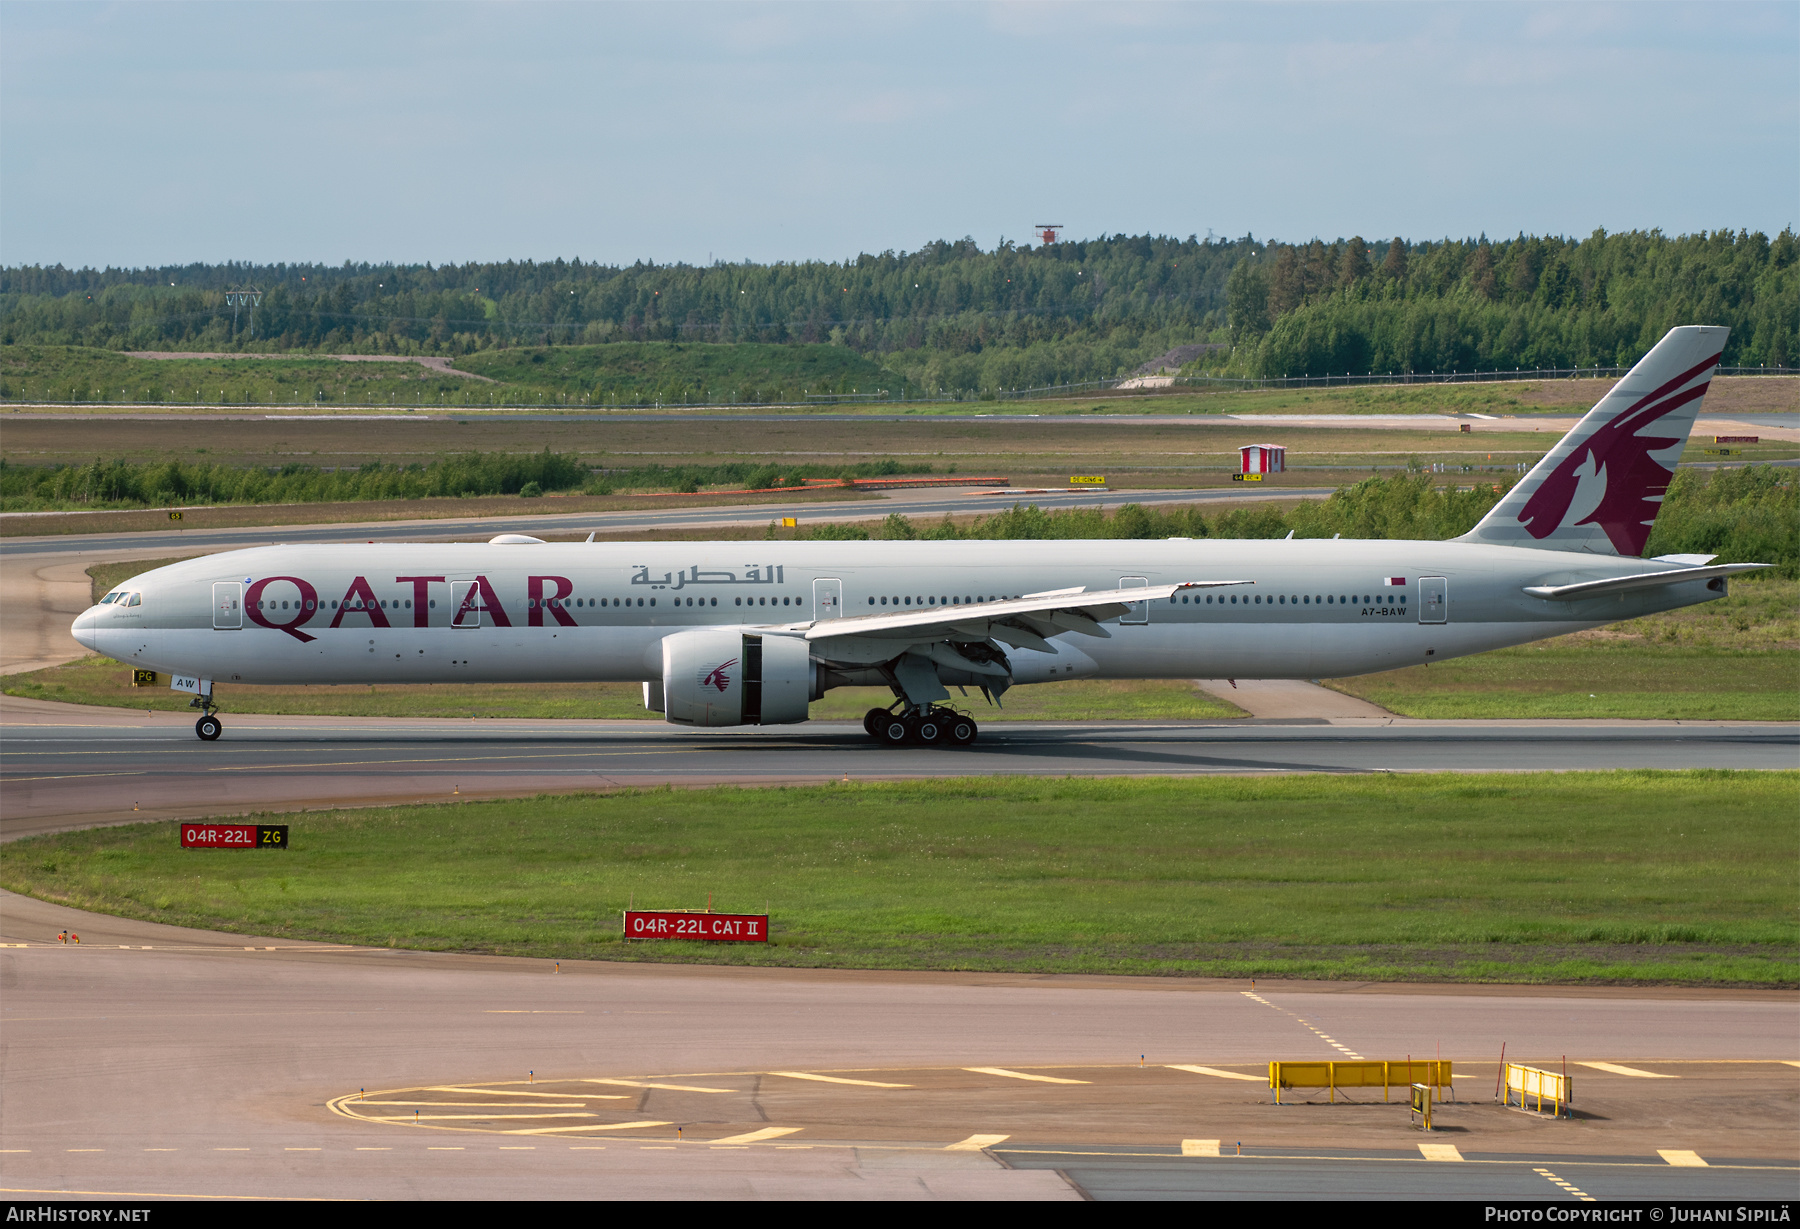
x: 1394, y: 580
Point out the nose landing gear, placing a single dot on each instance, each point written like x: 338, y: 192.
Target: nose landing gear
x: 209, y: 727
x: 929, y: 727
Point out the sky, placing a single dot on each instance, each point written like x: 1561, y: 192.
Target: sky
x: 136, y: 134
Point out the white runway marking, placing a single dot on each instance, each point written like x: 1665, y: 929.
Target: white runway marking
x: 1022, y: 1075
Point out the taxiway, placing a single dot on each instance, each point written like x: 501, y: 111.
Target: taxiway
x: 70, y: 766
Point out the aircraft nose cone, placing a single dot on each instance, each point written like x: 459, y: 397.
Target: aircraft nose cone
x: 84, y: 628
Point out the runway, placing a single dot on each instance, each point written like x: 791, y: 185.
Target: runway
x: 926, y: 502
x: 156, y: 1061
x: 68, y: 766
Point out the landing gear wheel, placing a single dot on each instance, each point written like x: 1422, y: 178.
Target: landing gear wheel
x: 892, y: 731
x: 961, y: 730
x: 209, y: 727
x: 872, y: 721
x: 930, y: 729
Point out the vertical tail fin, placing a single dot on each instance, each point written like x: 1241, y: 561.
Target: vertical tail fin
x: 1600, y: 488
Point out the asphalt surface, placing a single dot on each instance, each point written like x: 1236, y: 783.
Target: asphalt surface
x: 925, y: 502
x: 1329, y: 1174
x: 155, y: 1061
x: 68, y: 766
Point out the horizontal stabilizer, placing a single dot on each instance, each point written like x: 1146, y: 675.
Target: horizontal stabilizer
x: 1643, y: 580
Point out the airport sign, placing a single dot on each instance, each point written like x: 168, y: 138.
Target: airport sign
x: 234, y: 836
x: 706, y: 927
x: 1089, y: 480
x: 1246, y: 477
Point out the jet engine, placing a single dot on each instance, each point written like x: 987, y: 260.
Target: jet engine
x: 729, y: 677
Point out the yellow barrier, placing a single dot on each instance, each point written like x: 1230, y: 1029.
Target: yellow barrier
x: 1361, y: 1074
x: 1530, y: 1082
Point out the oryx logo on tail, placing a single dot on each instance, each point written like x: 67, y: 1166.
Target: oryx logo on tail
x: 1599, y: 489
x: 717, y: 677
x: 1615, y: 478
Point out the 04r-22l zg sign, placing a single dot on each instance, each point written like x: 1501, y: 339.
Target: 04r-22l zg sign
x: 707, y: 927
x: 234, y: 836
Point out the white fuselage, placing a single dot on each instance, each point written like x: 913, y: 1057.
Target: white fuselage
x: 599, y: 612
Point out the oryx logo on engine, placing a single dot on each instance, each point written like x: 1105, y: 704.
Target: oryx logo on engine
x: 716, y: 677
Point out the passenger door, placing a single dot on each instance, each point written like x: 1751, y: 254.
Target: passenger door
x: 1434, y: 599
x: 228, y: 605
x: 1139, y: 611
x: 828, y: 599
x: 465, y: 604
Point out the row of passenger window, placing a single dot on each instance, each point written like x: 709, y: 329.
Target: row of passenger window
x: 1282, y: 599
x: 576, y: 603
x: 134, y: 599
x: 566, y: 603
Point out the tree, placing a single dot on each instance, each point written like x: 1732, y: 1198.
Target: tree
x: 1247, y: 301
x: 1287, y: 290
x: 1481, y: 272
x: 1393, y: 268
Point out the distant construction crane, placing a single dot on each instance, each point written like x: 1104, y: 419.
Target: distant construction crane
x: 1046, y: 231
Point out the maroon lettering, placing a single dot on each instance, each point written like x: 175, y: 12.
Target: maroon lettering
x: 538, y: 603
x: 421, y: 597
x: 304, y: 607
x: 359, y: 588
x: 491, y: 604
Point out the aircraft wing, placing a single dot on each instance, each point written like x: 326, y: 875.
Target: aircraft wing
x: 1641, y: 580
x: 1025, y: 622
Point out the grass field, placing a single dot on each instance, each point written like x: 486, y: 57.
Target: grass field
x: 559, y: 376
x: 1631, y: 876
x: 1184, y: 443
x: 641, y: 372
x: 227, y: 516
x: 1050, y: 445
x: 81, y: 375
x: 744, y: 374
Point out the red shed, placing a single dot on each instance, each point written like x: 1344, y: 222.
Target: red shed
x: 1262, y: 459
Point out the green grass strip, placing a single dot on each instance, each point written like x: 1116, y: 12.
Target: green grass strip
x: 1637, y: 876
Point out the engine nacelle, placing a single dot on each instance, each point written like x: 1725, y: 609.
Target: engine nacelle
x: 730, y: 677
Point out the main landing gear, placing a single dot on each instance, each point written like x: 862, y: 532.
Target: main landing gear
x: 928, y: 727
x: 209, y: 727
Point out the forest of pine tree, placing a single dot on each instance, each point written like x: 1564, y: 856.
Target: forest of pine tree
x: 954, y: 318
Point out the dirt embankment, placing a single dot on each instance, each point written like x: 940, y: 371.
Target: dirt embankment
x: 1728, y: 394
x: 435, y: 363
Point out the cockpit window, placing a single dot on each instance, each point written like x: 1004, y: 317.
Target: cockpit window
x: 110, y: 598
x: 136, y: 599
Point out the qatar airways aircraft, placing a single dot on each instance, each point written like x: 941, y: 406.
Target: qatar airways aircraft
x: 734, y: 633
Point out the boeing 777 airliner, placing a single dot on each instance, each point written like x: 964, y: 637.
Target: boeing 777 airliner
x: 731, y: 633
